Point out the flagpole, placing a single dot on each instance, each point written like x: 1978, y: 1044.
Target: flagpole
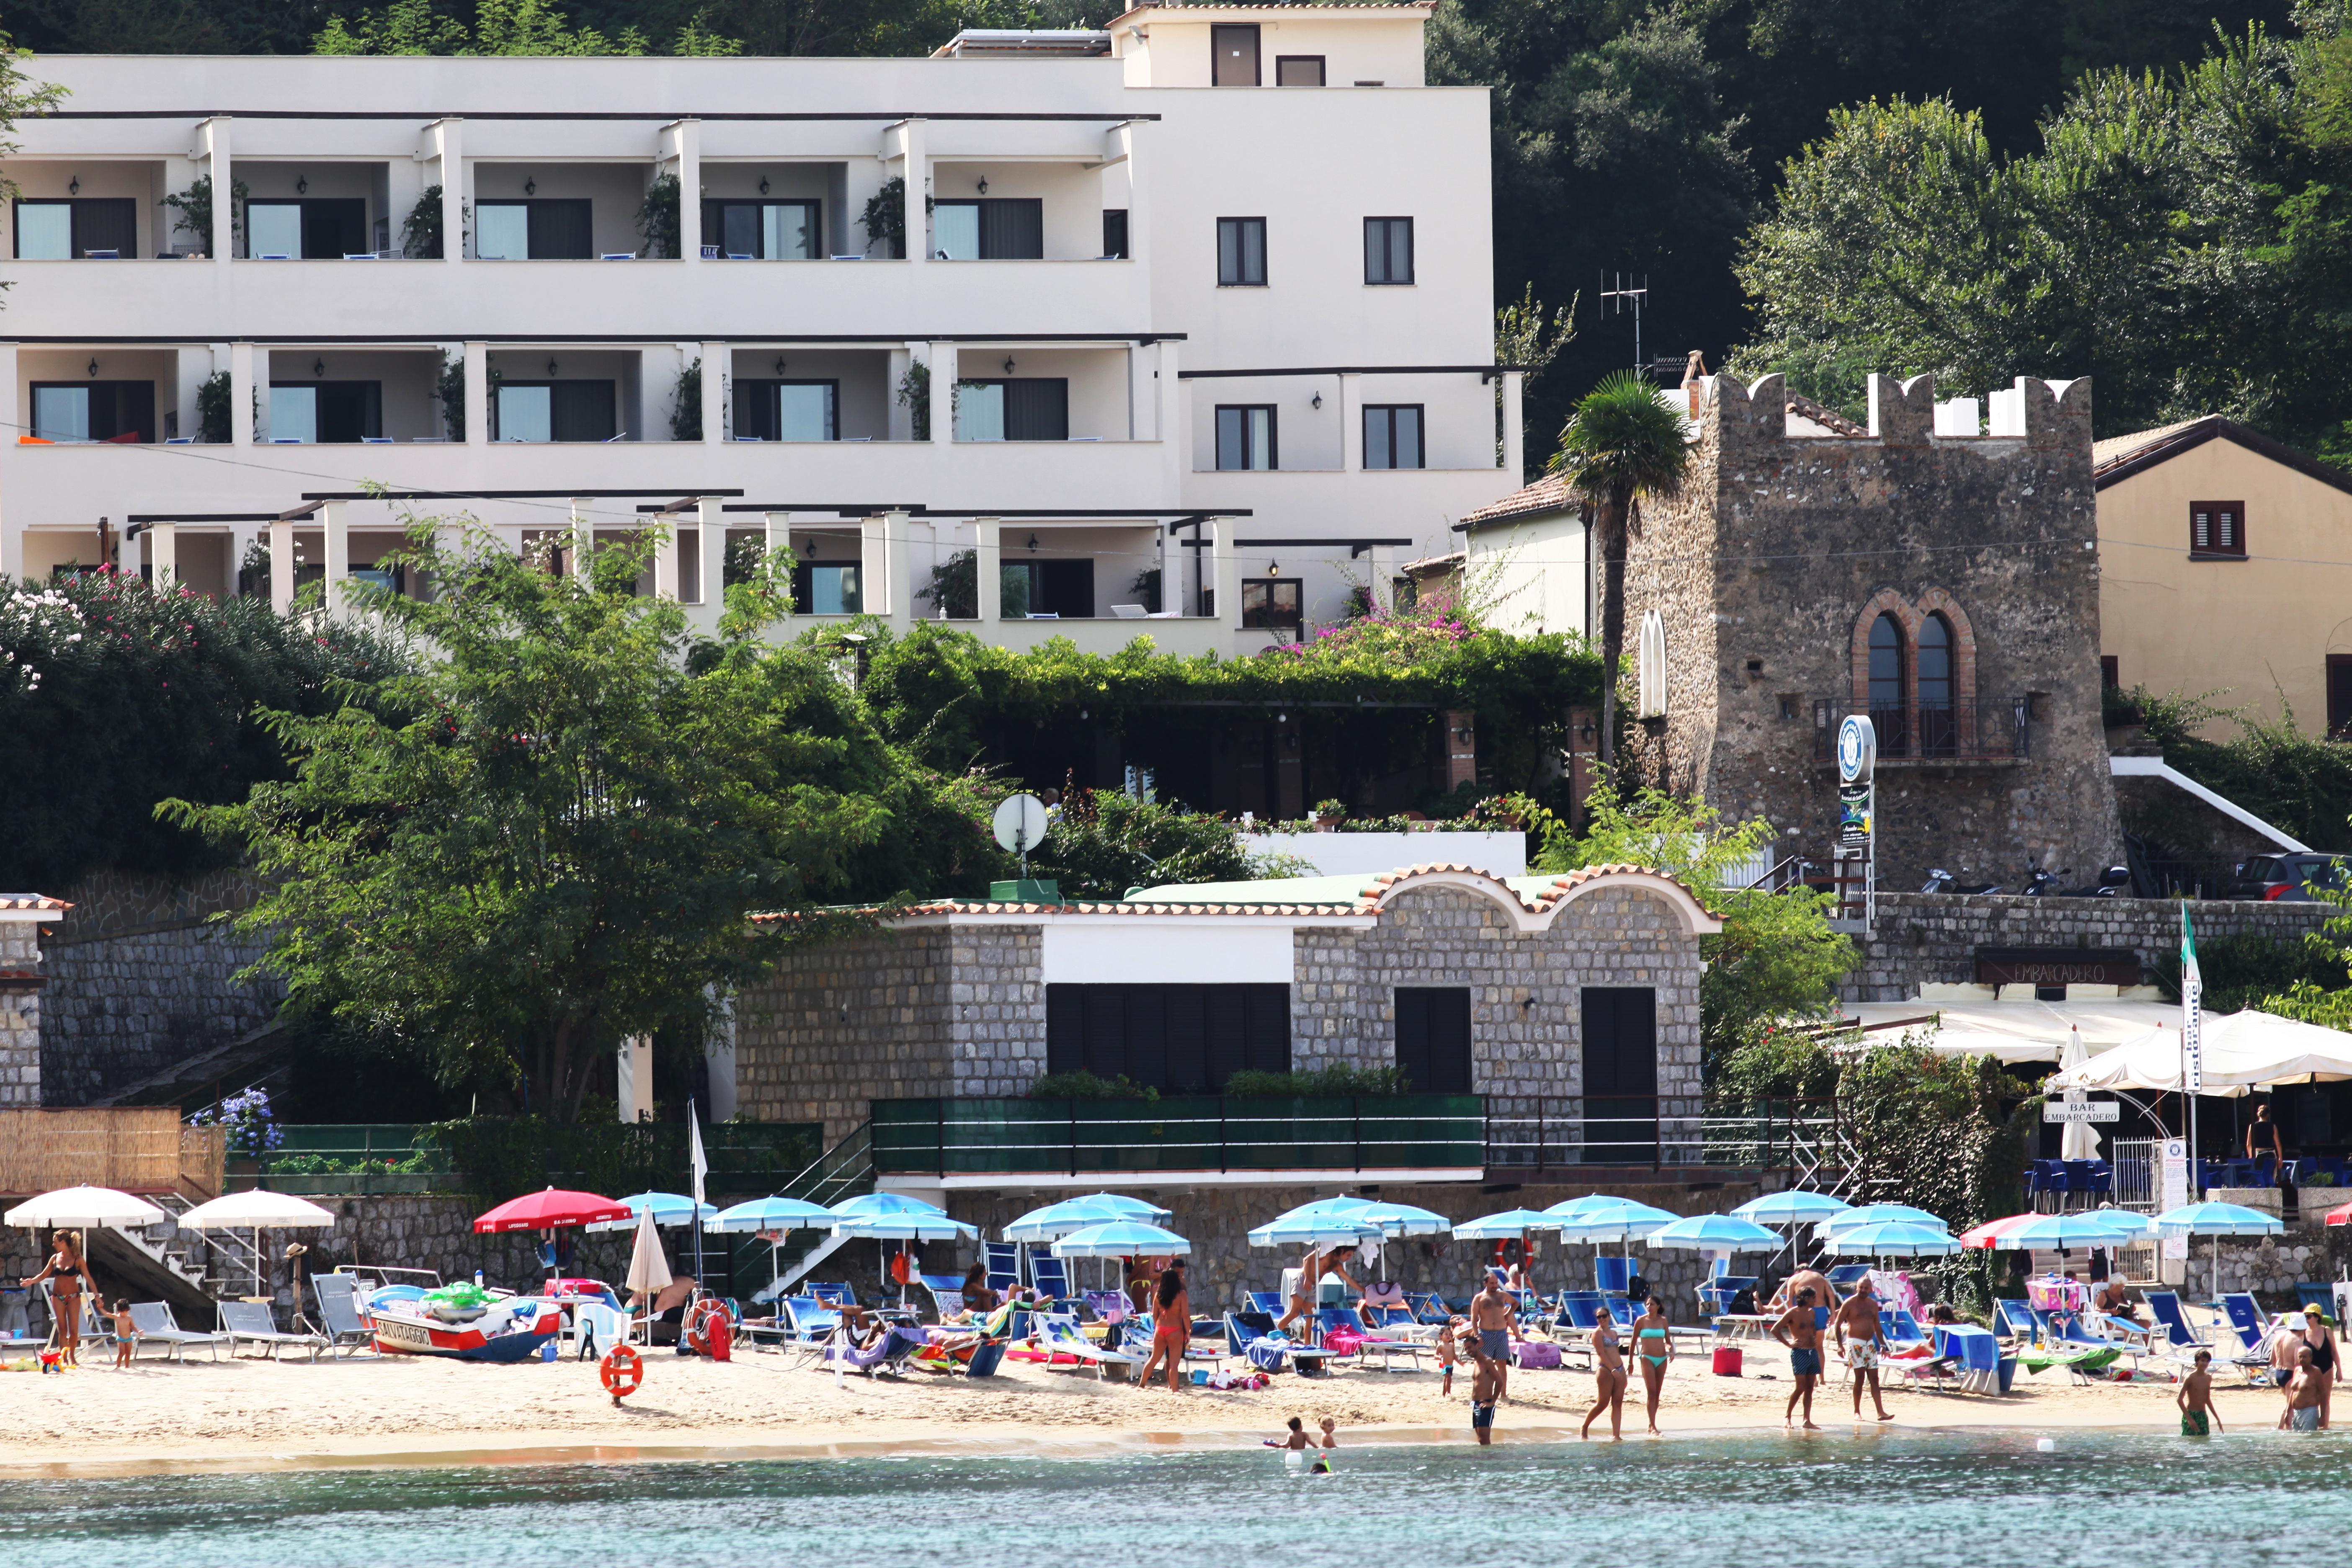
x: 696, y: 1162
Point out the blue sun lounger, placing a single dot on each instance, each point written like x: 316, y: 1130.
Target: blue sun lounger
x: 1051, y: 1276
x: 890, y: 1353
x: 2164, y: 1305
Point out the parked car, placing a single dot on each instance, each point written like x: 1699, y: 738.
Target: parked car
x: 2288, y: 878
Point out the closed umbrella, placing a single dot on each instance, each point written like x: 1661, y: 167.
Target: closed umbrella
x: 2217, y: 1220
x: 83, y: 1207
x: 648, y: 1269
x: 2077, y: 1139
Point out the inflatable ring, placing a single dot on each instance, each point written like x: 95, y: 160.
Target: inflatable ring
x: 622, y: 1372
x: 697, y: 1325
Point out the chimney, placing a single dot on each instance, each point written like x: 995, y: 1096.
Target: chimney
x: 1692, y: 372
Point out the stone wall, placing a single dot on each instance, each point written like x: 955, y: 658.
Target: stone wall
x: 20, y: 1014
x: 1779, y: 553
x: 1932, y: 937
x: 141, y: 979
x: 2271, y: 1266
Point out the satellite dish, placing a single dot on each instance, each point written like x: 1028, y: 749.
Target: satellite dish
x: 1021, y: 825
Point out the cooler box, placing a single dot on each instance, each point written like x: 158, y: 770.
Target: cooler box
x: 1727, y: 1361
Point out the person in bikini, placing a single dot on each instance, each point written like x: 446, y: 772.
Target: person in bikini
x: 1172, y: 1330
x: 1861, y: 1334
x: 2322, y: 1340
x: 1608, y: 1380
x: 1801, y: 1332
x: 2195, y: 1400
x: 1492, y: 1312
x: 68, y: 1273
x: 1653, y: 1346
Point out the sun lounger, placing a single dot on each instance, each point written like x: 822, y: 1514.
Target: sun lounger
x: 890, y: 1353
x: 1058, y: 1334
x: 250, y: 1322
x: 1428, y: 1309
x: 813, y: 1320
x: 834, y: 1295
x: 2256, y: 1333
x: 1346, y: 1322
x: 155, y: 1324
x: 1002, y: 1259
x: 2165, y: 1306
x: 947, y: 1299
x: 1109, y: 1305
x: 1270, y: 1302
x: 338, y: 1313
x: 2013, y: 1318
x: 1051, y: 1276
x: 596, y: 1328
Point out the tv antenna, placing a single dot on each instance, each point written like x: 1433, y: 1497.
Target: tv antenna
x: 1019, y: 824
x: 1627, y: 294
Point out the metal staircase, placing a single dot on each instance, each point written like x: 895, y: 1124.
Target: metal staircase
x: 842, y: 1172
x: 165, y: 1262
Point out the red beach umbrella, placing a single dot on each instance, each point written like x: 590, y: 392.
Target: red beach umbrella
x: 2340, y: 1214
x: 549, y: 1210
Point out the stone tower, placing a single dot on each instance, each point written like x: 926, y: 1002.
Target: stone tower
x: 1935, y: 573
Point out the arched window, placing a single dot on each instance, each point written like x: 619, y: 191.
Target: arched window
x: 1649, y: 667
x: 1939, y: 735
x: 1886, y: 699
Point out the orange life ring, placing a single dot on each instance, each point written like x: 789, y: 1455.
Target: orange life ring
x: 697, y: 1325
x: 622, y: 1372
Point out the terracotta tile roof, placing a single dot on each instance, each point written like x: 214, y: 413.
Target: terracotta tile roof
x: 1828, y: 418
x: 2116, y: 447
x: 12, y: 902
x: 1550, y: 493
x: 2120, y: 457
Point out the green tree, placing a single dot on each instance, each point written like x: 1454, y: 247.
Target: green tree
x: 1622, y: 442
x: 546, y: 834
x: 1102, y: 843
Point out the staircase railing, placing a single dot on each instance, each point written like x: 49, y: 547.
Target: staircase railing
x: 842, y: 1172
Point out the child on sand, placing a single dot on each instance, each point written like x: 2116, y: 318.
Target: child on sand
x: 2197, y: 1417
x: 126, y: 1337
x: 1448, y: 1353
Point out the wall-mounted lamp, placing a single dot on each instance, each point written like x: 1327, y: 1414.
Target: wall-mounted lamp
x: 780, y: 365
x: 1316, y: 402
x: 764, y: 184
x: 301, y: 184
x: 551, y: 369
x: 93, y: 366
x: 983, y: 184
x: 318, y: 367
x: 1033, y: 544
x: 1008, y: 364
x: 73, y: 187
x: 1274, y: 568
x: 530, y: 187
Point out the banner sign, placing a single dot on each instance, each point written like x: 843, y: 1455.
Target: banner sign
x: 2176, y: 1191
x: 1857, y: 762
x: 2080, y: 1110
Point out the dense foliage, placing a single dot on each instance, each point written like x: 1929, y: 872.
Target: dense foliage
x: 544, y: 835
x: 114, y: 696
x: 2274, y: 768
x: 501, y: 1157
x: 2181, y: 236
x: 1776, y: 959
x: 1102, y: 843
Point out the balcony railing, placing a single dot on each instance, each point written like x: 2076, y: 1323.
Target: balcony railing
x: 1189, y: 1133
x: 1979, y: 729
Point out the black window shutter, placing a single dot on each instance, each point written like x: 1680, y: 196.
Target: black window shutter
x: 1449, y: 1041
x: 1146, y: 1035
x: 1065, y: 1005
x: 1228, y: 1044
x: 559, y: 231
x: 581, y: 410
x: 1187, y: 1037
x: 1115, y: 231
x: 1107, y: 1030
x: 1412, y: 1036
x: 1266, y: 1013
x: 1621, y: 1040
x: 1037, y: 408
x: 1013, y: 228
x: 106, y: 222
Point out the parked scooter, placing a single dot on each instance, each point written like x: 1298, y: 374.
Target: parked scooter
x: 2041, y: 884
x: 1940, y: 881
x: 2115, y: 882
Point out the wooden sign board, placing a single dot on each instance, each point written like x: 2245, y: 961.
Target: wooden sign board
x: 2057, y: 966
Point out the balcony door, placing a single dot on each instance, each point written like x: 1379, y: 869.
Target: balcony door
x: 1433, y: 1038
x: 326, y: 410
x: 54, y: 230
x: 1620, y: 1075
x: 555, y: 411
x: 763, y: 231
x: 995, y: 228
x: 788, y: 410
x: 1062, y: 588
x: 121, y: 411
x: 324, y: 228
x: 546, y: 228
x: 1031, y: 408
x: 1179, y: 1039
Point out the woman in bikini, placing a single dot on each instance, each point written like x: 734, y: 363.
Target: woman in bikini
x: 1654, y: 1346
x: 68, y: 1273
x: 2322, y: 1340
x: 1608, y: 1379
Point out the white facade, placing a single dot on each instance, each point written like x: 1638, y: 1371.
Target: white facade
x: 334, y: 362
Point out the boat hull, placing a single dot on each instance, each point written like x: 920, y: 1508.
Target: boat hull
x: 510, y: 1336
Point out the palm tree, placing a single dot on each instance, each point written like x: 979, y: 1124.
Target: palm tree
x: 1622, y: 441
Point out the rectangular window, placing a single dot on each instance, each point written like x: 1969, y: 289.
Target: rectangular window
x: 1115, y: 232
x: 543, y: 229
x: 2110, y: 671
x: 820, y: 588
x: 1392, y: 436
x: 1245, y: 435
x: 1241, y: 253
x: 1235, y: 50
x: 94, y: 411
x: 56, y: 230
x: 1388, y: 250
x: 45, y: 231
x: 1062, y: 587
x: 2339, y: 696
x: 762, y: 231
x: 1274, y: 602
x: 325, y: 229
x: 2217, y: 528
x: 1179, y: 1039
x: 1433, y: 1038
x: 1620, y: 1075
x: 1299, y: 71
x: 330, y: 411
x: 1031, y: 408
x: 788, y: 410
x: 994, y: 228
x: 555, y: 411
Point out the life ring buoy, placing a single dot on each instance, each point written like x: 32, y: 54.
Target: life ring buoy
x: 622, y: 1372
x: 708, y: 1330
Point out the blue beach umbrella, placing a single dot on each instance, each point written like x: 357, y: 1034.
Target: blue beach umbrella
x: 1893, y: 1239
x: 1076, y: 1213
x: 1793, y: 1208
x: 1622, y: 1219
x: 669, y: 1208
x: 1122, y: 1238
x: 1877, y: 1214
x: 866, y: 1206
x: 1508, y: 1225
x: 2217, y: 1220
x: 772, y: 1214
x: 1312, y: 1230
x: 1717, y: 1233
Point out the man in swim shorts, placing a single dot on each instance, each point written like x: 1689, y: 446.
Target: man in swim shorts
x: 1861, y: 1335
x: 1485, y: 1389
x: 2197, y: 1417
x: 1801, y: 1332
x: 1491, y: 1315
x: 2302, y: 1412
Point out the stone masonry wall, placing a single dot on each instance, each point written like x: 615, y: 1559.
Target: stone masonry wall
x: 140, y: 979
x: 836, y: 1024
x: 1932, y: 937
x: 998, y: 1000
x: 1780, y: 551
x: 20, y: 1016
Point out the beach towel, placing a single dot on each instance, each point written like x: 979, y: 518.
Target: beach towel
x: 1538, y: 1356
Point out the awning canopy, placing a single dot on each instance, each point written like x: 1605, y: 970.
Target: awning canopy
x: 2242, y: 1052
x: 2020, y: 1031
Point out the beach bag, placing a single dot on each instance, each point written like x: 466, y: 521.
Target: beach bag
x: 1538, y: 1356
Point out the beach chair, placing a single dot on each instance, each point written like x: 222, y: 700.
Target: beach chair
x: 891, y: 1354
x: 155, y: 1326
x: 2257, y: 1334
x: 2013, y: 1319
x: 1059, y: 1335
x: 1051, y: 1276
x: 2319, y: 1294
x: 1370, y: 1341
x: 2165, y: 1306
x: 1428, y: 1309
x: 1270, y: 1302
x: 1847, y: 1276
x: 596, y: 1328
x: 834, y: 1295
x: 945, y: 1292
x: 340, y: 1319
x: 1002, y: 1260
x: 1251, y: 1335
x: 813, y: 1319
x: 1109, y: 1305
x: 250, y: 1322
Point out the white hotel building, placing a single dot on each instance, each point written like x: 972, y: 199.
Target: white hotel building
x: 1205, y: 294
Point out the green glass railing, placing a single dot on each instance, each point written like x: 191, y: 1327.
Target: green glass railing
x: 1179, y: 1133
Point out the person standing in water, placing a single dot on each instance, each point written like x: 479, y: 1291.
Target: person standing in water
x: 2302, y: 1412
x: 1653, y: 1346
x: 1485, y: 1389
x: 1861, y: 1334
x: 1608, y: 1380
x: 2322, y: 1340
x: 2195, y: 1400
x: 1800, y: 1330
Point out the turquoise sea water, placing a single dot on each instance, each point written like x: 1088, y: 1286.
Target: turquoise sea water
x: 1829, y: 1502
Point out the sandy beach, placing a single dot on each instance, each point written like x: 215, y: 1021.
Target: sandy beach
x: 255, y: 1414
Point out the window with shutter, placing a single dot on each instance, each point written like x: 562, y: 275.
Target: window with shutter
x: 1621, y: 1074
x: 2339, y: 696
x: 1179, y: 1039
x: 1432, y: 1038
x: 2217, y: 529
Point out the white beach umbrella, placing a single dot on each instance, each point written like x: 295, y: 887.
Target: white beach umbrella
x: 2079, y: 1140
x: 86, y: 1207
x: 648, y: 1269
x: 258, y: 1210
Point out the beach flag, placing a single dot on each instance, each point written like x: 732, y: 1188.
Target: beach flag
x: 701, y: 1166
x: 2192, y: 993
